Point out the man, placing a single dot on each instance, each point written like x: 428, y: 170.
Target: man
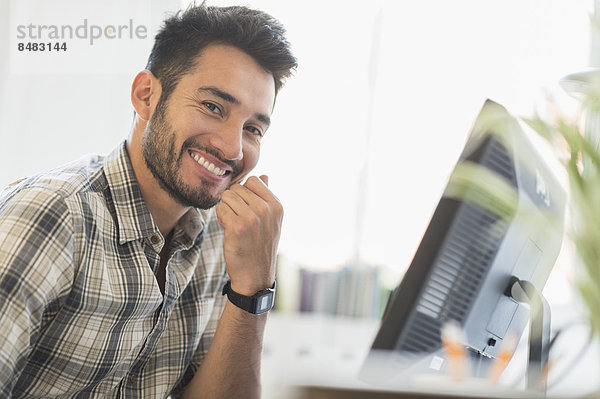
x: 112, y: 268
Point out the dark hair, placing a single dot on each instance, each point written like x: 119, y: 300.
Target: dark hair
x: 184, y: 35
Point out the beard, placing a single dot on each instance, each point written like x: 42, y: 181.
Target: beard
x: 164, y: 162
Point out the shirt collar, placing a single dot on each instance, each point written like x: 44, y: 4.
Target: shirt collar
x: 134, y: 219
x: 191, y: 225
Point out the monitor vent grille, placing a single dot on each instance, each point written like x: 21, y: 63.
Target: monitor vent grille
x: 498, y: 160
x: 456, y: 276
x: 461, y: 264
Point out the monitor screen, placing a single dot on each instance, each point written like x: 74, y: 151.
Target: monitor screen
x: 500, y: 217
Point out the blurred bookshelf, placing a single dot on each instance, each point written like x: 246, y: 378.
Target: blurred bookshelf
x: 357, y: 291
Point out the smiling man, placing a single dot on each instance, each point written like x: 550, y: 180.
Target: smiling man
x: 150, y: 272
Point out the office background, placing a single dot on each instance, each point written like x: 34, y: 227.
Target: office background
x: 392, y: 84
x: 364, y: 136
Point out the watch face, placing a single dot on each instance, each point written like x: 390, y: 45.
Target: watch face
x: 265, y: 303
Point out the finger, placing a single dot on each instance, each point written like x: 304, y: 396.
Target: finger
x: 265, y: 179
x: 259, y: 187
x: 253, y: 200
x: 234, y: 200
x: 263, y: 195
x: 224, y: 214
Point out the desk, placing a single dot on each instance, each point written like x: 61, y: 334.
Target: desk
x: 315, y: 392
x: 322, y: 354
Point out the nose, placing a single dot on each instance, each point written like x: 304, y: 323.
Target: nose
x: 228, y: 140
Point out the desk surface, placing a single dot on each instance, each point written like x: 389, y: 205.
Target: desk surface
x: 316, y: 392
x: 321, y: 355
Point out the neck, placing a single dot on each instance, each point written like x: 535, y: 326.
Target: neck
x: 164, y: 209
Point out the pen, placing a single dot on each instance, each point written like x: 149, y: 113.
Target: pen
x: 456, y: 353
x: 505, y: 353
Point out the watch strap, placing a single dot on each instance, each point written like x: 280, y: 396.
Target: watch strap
x: 260, y: 302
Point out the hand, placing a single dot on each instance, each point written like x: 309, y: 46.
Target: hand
x: 251, y: 216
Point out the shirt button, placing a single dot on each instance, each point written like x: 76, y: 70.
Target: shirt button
x: 132, y: 378
x: 155, y: 239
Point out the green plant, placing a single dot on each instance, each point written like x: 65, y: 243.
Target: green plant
x: 579, y: 153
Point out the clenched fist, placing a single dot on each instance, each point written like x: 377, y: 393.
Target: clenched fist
x: 251, y: 216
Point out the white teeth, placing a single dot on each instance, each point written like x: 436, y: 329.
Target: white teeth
x: 208, y: 165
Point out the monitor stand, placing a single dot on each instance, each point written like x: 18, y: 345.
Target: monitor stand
x: 539, y: 331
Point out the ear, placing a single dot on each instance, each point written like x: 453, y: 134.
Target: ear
x: 145, y: 92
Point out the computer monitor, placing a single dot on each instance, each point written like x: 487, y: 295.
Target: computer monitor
x: 499, y: 220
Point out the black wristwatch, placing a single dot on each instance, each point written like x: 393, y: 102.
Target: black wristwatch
x: 258, y: 303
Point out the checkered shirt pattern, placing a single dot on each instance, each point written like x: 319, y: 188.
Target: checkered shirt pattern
x: 81, y: 313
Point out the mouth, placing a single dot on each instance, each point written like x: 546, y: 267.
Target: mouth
x: 209, y: 166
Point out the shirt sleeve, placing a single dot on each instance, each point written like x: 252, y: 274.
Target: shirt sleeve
x: 36, y: 257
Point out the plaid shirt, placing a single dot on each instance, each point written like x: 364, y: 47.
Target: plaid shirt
x: 81, y: 313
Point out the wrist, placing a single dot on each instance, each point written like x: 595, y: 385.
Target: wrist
x: 251, y: 287
x: 260, y: 302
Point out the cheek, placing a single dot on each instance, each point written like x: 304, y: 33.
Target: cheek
x: 251, y: 154
x: 193, y: 126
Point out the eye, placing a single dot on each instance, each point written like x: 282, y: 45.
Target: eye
x: 254, y: 130
x: 214, y: 108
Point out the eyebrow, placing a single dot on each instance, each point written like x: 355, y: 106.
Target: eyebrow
x: 232, y: 100
x: 221, y: 94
